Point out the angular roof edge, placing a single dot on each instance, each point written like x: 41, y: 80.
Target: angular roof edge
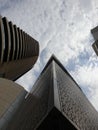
x: 95, y: 29
x: 53, y: 57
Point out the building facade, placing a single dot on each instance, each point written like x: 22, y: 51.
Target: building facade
x: 18, y: 50
x: 55, y: 102
x: 94, y: 32
x: 11, y: 97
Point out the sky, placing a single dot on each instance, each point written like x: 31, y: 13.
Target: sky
x: 62, y: 27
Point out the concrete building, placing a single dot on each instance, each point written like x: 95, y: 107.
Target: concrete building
x: 11, y: 97
x: 18, y: 50
x: 56, y: 102
x: 95, y: 47
x: 94, y: 32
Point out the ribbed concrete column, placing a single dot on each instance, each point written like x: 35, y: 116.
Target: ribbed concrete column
x: 2, y: 40
x: 23, y: 44
x: 17, y: 42
x: 7, y: 40
x: 20, y: 43
x: 12, y: 37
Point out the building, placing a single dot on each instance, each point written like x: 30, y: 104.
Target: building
x: 56, y: 102
x: 11, y: 97
x: 18, y: 50
x: 18, y: 54
x: 94, y: 32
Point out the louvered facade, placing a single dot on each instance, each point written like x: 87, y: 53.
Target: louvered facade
x: 18, y: 50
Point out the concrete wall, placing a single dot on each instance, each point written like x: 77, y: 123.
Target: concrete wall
x: 55, y: 88
x: 36, y: 105
x: 11, y: 97
x: 73, y: 103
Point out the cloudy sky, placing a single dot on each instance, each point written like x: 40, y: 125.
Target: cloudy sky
x: 62, y: 27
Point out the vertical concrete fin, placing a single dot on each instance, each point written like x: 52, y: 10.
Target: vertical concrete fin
x: 56, y: 94
x: 2, y: 40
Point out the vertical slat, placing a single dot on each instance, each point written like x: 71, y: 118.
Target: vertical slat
x: 7, y: 40
x: 20, y: 43
x: 23, y: 44
x: 17, y: 42
x: 21, y: 33
x: 12, y: 37
x: 2, y: 40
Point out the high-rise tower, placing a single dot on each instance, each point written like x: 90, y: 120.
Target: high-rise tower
x: 18, y: 50
x: 56, y: 102
x: 18, y: 54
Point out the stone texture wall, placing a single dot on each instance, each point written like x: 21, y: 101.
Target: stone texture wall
x: 55, y: 89
x: 74, y: 104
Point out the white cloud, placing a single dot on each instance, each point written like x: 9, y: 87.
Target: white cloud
x: 87, y: 78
